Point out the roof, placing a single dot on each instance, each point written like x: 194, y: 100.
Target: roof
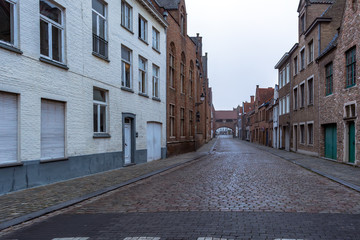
x: 263, y: 94
x: 286, y: 56
x: 321, y: 1
x: 329, y: 47
x: 226, y: 114
x: 248, y: 106
x: 168, y: 4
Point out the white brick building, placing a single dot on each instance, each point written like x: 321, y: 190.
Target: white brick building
x: 82, y: 88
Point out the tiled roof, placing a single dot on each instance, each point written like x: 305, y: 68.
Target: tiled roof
x: 329, y: 47
x: 248, y: 107
x: 168, y: 4
x: 321, y: 1
x: 226, y: 115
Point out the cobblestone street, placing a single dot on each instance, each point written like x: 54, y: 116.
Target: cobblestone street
x: 236, y: 192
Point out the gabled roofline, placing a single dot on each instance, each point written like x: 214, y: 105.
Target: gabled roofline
x: 151, y: 9
x: 286, y: 56
x: 315, y: 22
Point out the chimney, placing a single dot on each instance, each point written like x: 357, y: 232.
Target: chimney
x: 257, y: 86
x: 252, y: 98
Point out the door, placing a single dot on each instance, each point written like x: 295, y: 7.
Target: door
x: 351, y: 142
x: 295, y: 138
x: 330, y: 142
x: 8, y: 128
x: 153, y: 141
x: 127, y: 143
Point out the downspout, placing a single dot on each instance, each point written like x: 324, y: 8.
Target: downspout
x: 319, y: 39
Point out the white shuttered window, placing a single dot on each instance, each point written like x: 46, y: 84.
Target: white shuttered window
x: 8, y: 128
x: 52, y: 129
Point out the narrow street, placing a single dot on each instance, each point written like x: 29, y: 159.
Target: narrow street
x: 236, y: 192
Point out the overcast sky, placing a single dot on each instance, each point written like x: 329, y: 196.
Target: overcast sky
x: 244, y: 39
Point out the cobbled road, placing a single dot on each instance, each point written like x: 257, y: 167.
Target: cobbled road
x: 236, y: 192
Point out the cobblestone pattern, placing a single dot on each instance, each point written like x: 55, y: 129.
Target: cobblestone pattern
x: 27, y: 201
x: 237, y: 178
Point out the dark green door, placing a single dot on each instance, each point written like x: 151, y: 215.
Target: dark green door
x: 330, y: 141
x: 351, y: 142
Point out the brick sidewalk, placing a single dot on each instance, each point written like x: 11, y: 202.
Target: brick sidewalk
x: 345, y: 174
x: 26, y: 204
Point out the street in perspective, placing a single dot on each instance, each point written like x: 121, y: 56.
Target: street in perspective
x: 236, y: 191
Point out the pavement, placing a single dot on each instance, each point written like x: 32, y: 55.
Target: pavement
x: 238, y: 191
x: 24, y: 205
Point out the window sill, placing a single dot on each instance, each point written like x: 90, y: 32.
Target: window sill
x: 127, y: 29
x: 156, y: 99
x: 54, y: 160
x: 350, y: 86
x: 127, y: 89
x: 310, y: 104
x: 11, y: 164
x: 172, y: 88
x: 10, y: 48
x: 144, y: 41
x: 101, y: 135
x: 182, y: 94
x: 143, y: 95
x: 106, y: 59
x: 156, y: 50
x: 312, y: 61
x: 310, y: 145
x: 60, y: 65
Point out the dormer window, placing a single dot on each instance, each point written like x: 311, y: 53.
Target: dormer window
x: 302, y: 24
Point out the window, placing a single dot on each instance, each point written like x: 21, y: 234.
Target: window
x: 296, y: 66
x: 182, y: 21
x: 156, y: 39
x: 191, y: 122
x: 52, y: 129
x: 8, y: 127
x: 142, y: 29
x: 310, y: 134
x: 350, y: 111
x: 280, y: 107
x: 8, y: 17
x: 295, y: 98
x: 310, y: 91
x: 172, y: 120
x: 155, y: 82
x: 99, y: 27
x: 191, y: 79
x: 302, y: 95
x: 283, y: 105
x: 182, y: 74
x: 100, y: 110
x: 351, y: 67
x: 142, y: 75
x: 302, y: 24
x: 329, y: 79
x: 288, y: 103
x: 302, y: 134
x: 126, y: 67
x: 287, y: 74
x: 182, y: 122
x: 172, y: 66
x: 302, y: 59
x: 126, y: 15
x: 51, y: 31
x: 311, y: 52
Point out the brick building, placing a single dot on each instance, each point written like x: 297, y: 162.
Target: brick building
x: 186, y: 84
x: 339, y: 94
x: 247, y: 108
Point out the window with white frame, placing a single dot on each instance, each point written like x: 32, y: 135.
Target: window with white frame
x: 311, y: 51
x: 302, y: 133
x: 126, y: 67
x: 126, y: 15
x: 142, y: 29
x: 310, y: 133
x: 8, y: 127
x: 51, y: 31
x: 99, y: 28
x: 296, y: 67
x: 100, y: 110
x: 302, y: 95
x: 295, y: 98
x: 310, y: 92
x: 172, y: 68
x: 142, y: 75
x: 287, y: 73
x: 52, y: 129
x: 8, y: 19
x: 155, y: 82
x: 283, y: 105
x: 302, y: 59
x: 155, y: 39
x: 288, y: 103
x: 280, y: 107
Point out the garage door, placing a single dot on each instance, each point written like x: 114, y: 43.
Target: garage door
x: 153, y: 141
x: 8, y: 128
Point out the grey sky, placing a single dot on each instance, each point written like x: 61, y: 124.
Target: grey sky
x: 245, y: 39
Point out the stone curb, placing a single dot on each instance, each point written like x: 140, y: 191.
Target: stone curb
x: 69, y: 203
x: 335, y: 179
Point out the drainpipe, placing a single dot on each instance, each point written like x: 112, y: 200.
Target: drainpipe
x: 319, y: 39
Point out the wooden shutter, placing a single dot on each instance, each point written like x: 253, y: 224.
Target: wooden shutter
x: 52, y: 129
x: 8, y: 128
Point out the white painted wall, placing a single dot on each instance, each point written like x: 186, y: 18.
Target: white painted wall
x: 33, y: 80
